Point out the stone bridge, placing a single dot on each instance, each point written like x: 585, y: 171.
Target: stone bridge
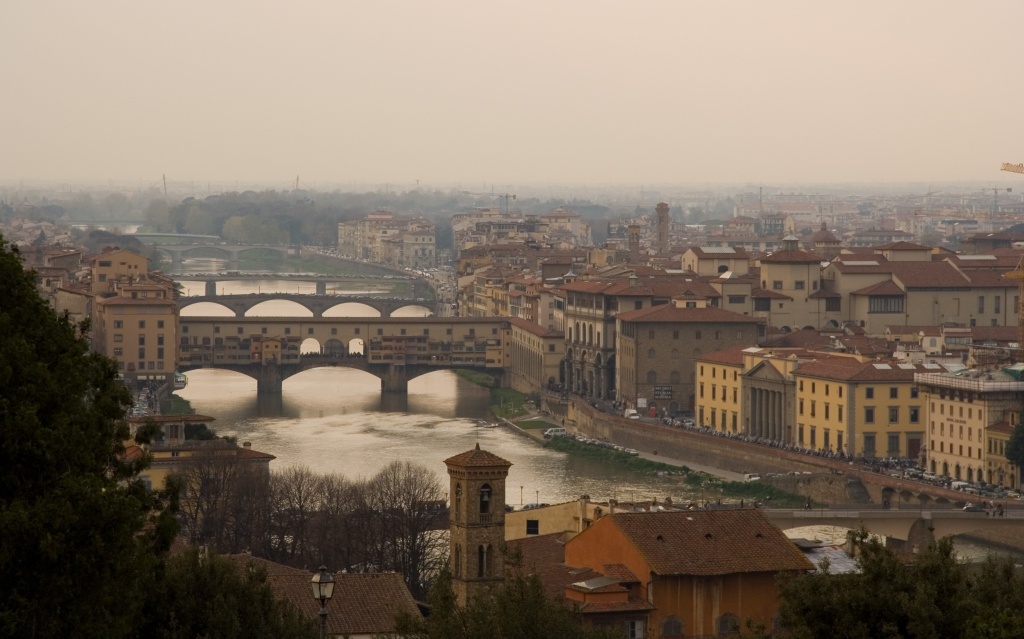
x: 393, y: 379
x: 395, y: 349
x: 315, y: 304
x: 229, y: 252
x: 907, y: 524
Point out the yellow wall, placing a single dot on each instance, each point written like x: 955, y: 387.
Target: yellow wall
x: 719, y: 392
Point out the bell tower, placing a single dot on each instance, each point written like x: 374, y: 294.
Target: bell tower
x: 477, y: 529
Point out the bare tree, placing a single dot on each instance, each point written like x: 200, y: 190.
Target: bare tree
x: 297, y: 497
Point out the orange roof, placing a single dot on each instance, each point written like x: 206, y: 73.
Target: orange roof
x: 707, y: 543
x: 477, y: 458
x: 670, y: 313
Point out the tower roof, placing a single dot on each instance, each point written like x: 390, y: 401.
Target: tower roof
x: 477, y: 458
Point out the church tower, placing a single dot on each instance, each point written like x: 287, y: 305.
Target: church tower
x: 477, y: 529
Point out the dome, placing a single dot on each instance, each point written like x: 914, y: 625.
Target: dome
x: 823, y: 236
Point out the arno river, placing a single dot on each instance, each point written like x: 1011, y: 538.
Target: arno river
x: 337, y: 420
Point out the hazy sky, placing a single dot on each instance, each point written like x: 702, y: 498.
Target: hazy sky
x: 551, y: 91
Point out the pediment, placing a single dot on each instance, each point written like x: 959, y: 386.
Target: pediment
x: 764, y: 370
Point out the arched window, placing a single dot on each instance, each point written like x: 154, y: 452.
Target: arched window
x: 672, y: 627
x: 652, y: 377
x: 458, y: 502
x: 723, y: 268
x: 674, y: 377
x: 458, y: 560
x: 650, y: 354
x: 485, y: 499
x: 675, y: 353
x: 483, y: 560
x: 727, y: 625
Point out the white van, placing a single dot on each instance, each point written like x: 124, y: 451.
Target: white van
x: 630, y: 413
x: 555, y: 432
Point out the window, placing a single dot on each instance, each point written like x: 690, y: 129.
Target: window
x: 869, y: 392
x: 652, y: 378
x: 142, y: 323
x: 672, y: 627
x: 458, y: 501
x: 798, y: 285
x: 997, y: 304
x: 869, y: 444
x: 675, y: 334
x: 142, y: 340
x: 915, y: 414
x: 532, y: 526
x: 894, y: 392
x: 118, y: 324
x: 118, y: 338
x: 696, y: 335
x: 894, y: 445
x: 118, y: 352
x: 894, y: 414
x: 737, y: 299
x: 458, y: 560
x: 913, y: 392
x: 650, y: 353
x: 485, y: 499
x: 727, y: 624
x: 159, y: 323
x: 777, y: 285
x: 869, y: 415
x: 981, y: 303
x: 634, y: 629
x: 885, y: 304
x: 833, y: 304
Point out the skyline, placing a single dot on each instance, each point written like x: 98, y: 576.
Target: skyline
x: 461, y: 93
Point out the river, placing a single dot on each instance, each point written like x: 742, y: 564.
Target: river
x: 336, y: 420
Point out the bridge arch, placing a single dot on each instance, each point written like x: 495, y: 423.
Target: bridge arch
x: 267, y: 309
x: 204, y: 309
x: 357, y: 346
x: 310, y: 345
x: 353, y: 309
x: 411, y: 310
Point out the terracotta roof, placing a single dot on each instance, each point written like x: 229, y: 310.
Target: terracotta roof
x: 729, y: 357
x: 670, y: 313
x: 893, y: 329
x: 792, y: 257
x: 765, y: 293
x: 823, y: 294
x: 852, y: 370
x: 477, y: 458
x: 141, y: 301
x: 1002, y: 428
x: 634, y: 603
x: 535, y: 329
x: 706, y: 543
x: 903, y: 246
x: 990, y: 278
x: 362, y: 603
x: 995, y: 333
x: 882, y: 288
x: 805, y: 338
x: 544, y: 556
x: 620, y: 573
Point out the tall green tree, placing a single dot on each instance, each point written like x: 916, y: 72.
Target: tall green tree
x: 81, y: 538
x: 1015, y: 447
x: 211, y: 596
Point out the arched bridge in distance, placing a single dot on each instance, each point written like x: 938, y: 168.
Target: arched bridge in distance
x: 396, y: 350
x: 918, y: 526
x: 316, y: 304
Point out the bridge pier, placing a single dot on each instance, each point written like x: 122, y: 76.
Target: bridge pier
x: 211, y: 288
x: 269, y: 380
x: 395, y: 380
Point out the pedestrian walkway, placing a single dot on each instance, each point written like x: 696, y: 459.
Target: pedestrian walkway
x: 727, y: 475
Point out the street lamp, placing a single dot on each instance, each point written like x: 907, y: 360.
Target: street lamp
x: 323, y: 589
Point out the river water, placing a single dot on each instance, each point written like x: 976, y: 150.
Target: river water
x: 337, y: 420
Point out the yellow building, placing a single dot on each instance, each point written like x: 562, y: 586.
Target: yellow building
x: 719, y: 399
x: 138, y: 328
x: 968, y: 413
x: 115, y: 265
x: 535, y: 354
x: 869, y: 409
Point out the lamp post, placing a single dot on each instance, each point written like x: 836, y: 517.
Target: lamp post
x: 323, y: 589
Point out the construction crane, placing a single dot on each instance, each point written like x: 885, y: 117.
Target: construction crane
x: 506, y: 196
x: 1013, y: 168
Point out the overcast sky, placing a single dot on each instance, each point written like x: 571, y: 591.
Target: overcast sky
x: 548, y: 91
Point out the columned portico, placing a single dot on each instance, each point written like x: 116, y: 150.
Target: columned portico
x: 769, y: 404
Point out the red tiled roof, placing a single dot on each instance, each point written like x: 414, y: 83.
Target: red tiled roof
x: 535, y: 329
x: 765, y: 293
x: 707, y: 543
x: 852, y: 370
x: 544, y: 556
x: 729, y: 357
x: 634, y: 603
x: 670, y: 313
x: 902, y: 246
x: 823, y: 294
x: 792, y: 257
x: 882, y: 288
x: 362, y: 603
x: 620, y: 573
x: 477, y: 458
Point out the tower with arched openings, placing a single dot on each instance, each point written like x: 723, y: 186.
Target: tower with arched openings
x: 477, y: 529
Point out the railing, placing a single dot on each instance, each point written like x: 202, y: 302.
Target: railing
x: 485, y: 518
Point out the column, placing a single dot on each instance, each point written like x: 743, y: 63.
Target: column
x: 772, y: 426
x: 762, y: 416
x: 779, y: 430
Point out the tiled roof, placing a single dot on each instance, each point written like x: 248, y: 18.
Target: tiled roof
x: 823, y: 294
x: 1003, y: 428
x: 711, y: 542
x: 792, y: 257
x: 729, y: 357
x: 852, y: 370
x: 902, y: 246
x: 669, y: 313
x: 477, y: 458
x: 535, y: 329
x: 912, y: 330
x: 634, y: 603
x: 362, y: 603
x: 995, y: 333
x: 765, y: 293
x: 544, y: 556
x: 620, y: 573
x: 990, y: 278
x: 882, y: 288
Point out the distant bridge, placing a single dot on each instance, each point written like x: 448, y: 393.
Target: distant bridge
x: 316, y: 304
x: 221, y: 250
x: 904, y: 524
x: 396, y: 350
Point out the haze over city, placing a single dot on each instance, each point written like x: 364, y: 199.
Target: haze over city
x: 511, y: 93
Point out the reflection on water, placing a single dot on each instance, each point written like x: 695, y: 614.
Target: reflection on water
x: 337, y: 420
